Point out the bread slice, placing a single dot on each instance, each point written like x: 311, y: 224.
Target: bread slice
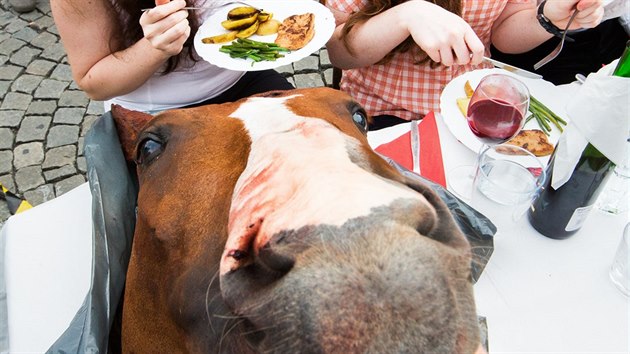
x: 296, y: 31
x: 534, y: 141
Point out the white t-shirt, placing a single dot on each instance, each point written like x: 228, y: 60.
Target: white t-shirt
x: 179, y: 88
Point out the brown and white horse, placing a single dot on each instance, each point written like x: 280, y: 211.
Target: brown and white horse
x: 269, y: 225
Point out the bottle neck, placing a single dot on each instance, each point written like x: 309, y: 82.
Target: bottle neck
x: 623, y: 66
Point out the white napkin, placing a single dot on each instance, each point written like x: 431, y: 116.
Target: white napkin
x: 599, y: 113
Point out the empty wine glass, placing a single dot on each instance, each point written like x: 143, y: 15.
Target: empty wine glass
x: 496, y: 113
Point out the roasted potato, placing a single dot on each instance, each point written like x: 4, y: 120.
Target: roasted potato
x: 240, y: 24
x: 240, y: 12
x: 268, y: 27
x: 221, y: 38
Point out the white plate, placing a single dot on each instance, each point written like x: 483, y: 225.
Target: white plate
x: 324, y: 28
x: 544, y: 91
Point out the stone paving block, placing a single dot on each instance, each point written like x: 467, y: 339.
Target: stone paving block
x: 308, y: 80
x: 3, y: 58
x: 324, y: 59
x: 10, y: 72
x: 42, y: 107
x: 10, y: 118
x: 7, y: 182
x: 4, y: 88
x: 11, y: 45
x: 24, y: 56
x: 44, y: 40
x: 28, y: 154
x: 40, y: 67
x: 40, y: 194
x: 33, y: 128
x: 60, y: 173
x: 62, y: 72
x: 69, y: 115
x: 310, y: 63
x: 54, y: 52
x: 80, y: 146
x: 45, y: 23
x: 4, y: 213
x: 6, y: 138
x: 328, y: 77
x: 26, y: 83
x: 15, y: 25
x: 285, y: 69
x: 16, y: 101
x: 6, y: 18
x: 96, y: 108
x: 82, y: 164
x: 29, y: 178
x: 87, y: 124
x: 68, y: 184
x: 60, y: 135
x: 57, y: 157
x: 50, y: 89
x: 6, y: 161
x: 26, y: 34
x: 73, y: 99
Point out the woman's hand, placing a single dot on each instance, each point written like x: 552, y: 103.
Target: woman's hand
x: 443, y: 35
x: 166, y: 26
x: 590, y: 13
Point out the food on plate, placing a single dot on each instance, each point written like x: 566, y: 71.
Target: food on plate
x: 532, y: 140
x: 257, y: 51
x: 296, y: 31
x: 462, y: 104
x: 240, y: 12
x: 221, y: 38
x: 239, y: 24
x: 268, y: 27
x: 468, y: 89
x: 243, y: 22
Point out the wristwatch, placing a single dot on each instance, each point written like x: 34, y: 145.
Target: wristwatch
x: 547, y: 25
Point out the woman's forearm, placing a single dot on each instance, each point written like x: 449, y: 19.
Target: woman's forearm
x: 368, y: 42
x: 121, y: 72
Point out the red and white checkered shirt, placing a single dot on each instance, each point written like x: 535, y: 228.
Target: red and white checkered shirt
x: 410, y: 91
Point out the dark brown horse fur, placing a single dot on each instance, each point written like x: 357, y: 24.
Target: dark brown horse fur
x: 269, y: 225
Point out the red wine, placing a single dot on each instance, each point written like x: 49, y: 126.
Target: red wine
x: 494, y: 121
x: 560, y: 213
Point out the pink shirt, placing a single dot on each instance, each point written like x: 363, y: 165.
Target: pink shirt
x: 406, y: 90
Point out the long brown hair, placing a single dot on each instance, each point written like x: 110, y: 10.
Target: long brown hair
x: 128, y: 30
x: 375, y: 7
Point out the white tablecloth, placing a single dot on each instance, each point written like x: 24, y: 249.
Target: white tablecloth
x: 539, y: 295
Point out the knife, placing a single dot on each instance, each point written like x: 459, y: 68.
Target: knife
x: 513, y: 69
x: 415, y: 147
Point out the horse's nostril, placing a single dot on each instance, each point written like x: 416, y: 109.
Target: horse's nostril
x: 274, y: 261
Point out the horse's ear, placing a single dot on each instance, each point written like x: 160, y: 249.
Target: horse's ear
x: 128, y: 124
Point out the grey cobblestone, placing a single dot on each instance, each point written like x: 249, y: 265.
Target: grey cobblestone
x: 44, y: 115
x: 33, y: 128
x: 28, y: 154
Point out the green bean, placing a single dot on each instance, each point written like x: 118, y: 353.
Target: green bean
x: 254, y: 50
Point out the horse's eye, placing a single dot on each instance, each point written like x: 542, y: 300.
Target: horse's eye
x: 360, y: 119
x: 148, y: 150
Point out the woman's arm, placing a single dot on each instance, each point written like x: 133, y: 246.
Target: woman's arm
x: 86, y: 29
x: 444, y: 36
x: 517, y: 29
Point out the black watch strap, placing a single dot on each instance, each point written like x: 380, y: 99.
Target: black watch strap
x: 548, y: 26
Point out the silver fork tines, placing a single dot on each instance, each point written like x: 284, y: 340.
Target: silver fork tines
x: 211, y: 6
x: 551, y: 56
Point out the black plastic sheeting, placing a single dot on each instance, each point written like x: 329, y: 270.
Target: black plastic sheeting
x: 114, y: 190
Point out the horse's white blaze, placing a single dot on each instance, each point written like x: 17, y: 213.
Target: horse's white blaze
x: 298, y: 173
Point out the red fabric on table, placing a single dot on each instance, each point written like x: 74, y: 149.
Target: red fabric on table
x: 431, y: 165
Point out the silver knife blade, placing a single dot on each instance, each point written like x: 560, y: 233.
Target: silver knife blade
x: 415, y: 147
x: 513, y: 69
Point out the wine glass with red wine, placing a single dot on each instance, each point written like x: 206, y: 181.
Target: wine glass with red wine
x: 496, y: 113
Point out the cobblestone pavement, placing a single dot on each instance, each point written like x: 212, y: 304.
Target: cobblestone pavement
x: 44, y: 115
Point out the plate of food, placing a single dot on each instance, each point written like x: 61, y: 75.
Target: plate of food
x: 265, y: 35
x: 536, y: 136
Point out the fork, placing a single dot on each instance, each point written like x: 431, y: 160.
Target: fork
x: 210, y: 6
x: 551, y: 56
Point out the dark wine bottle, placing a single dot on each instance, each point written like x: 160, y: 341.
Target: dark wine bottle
x: 560, y: 213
